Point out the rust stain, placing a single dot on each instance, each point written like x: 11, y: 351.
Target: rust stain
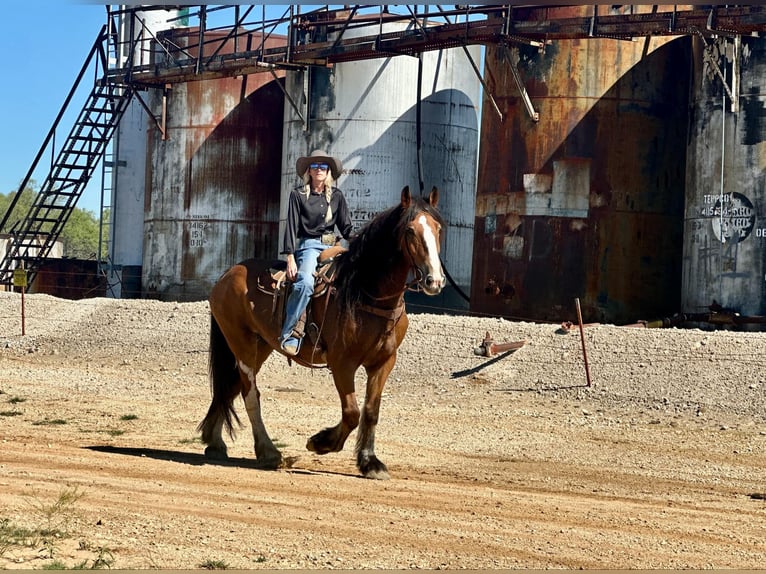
x: 588, y: 202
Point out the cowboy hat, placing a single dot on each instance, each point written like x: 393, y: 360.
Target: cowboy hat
x: 319, y: 156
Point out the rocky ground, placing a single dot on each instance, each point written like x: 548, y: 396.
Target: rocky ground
x: 503, y: 462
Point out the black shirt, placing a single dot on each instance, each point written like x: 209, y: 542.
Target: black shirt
x: 306, y: 216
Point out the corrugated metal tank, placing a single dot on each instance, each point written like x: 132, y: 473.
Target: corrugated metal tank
x: 587, y: 203
x: 365, y: 113
x: 215, y: 180
x: 129, y: 163
x: 725, y: 218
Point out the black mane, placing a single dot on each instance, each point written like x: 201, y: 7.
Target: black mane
x: 375, y: 251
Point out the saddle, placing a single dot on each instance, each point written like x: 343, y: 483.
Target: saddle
x: 273, y: 281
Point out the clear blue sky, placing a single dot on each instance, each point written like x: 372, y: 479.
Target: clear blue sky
x: 44, y: 45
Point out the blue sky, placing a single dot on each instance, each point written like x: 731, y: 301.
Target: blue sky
x: 44, y: 45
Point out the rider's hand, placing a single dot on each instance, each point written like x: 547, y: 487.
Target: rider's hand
x: 292, y: 268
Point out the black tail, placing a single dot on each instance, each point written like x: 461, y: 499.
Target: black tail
x: 224, y: 385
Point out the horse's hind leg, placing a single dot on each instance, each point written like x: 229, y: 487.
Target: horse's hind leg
x: 267, y: 454
x: 225, y: 385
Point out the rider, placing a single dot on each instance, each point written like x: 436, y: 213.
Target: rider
x: 314, y: 210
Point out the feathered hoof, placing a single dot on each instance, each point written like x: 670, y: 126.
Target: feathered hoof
x: 270, y: 463
x: 373, y: 468
x: 325, y: 441
x: 216, y: 453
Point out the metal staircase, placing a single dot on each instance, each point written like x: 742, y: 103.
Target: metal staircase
x: 34, y: 235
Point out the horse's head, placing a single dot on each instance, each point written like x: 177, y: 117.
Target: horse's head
x: 422, y: 241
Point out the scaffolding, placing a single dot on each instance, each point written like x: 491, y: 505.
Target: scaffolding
x: 122, y: 71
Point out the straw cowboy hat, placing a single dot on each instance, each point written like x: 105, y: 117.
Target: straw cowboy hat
x: 319, y: 156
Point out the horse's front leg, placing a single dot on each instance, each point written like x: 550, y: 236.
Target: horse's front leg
x: 332, y: 439
x: 369, y: 464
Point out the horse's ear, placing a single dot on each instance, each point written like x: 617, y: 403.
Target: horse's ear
x: 433, y: 199
x: 406, y: 197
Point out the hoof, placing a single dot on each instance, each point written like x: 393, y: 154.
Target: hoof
x: 270, y: 463
x: 371, y: 467
x: 377, y: 474
x: 215, y: 453
x: 323, y: 442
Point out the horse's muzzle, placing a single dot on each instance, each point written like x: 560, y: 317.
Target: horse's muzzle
x: 433, y: 285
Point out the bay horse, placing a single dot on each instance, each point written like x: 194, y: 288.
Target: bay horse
x: 362, y: 322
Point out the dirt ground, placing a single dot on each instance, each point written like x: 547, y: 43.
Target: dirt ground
x: 503, y: 462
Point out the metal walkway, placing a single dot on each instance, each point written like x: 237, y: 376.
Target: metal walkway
x: 201, y: 58
x: 34, y: 235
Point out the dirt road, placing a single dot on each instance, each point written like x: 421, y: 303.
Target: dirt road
x: 505, y: 463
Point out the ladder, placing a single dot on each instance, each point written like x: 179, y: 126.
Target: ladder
x: 33, y: 236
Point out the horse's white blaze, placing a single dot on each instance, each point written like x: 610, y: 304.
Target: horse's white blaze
x: 433, y: 251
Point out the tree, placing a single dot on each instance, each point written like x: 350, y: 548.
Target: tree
x: 79, y: 236
x: 22, y: 206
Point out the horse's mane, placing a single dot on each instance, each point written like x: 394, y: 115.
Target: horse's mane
x: 374, y: 251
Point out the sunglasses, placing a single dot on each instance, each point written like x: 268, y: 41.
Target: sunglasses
x: 322, y: 166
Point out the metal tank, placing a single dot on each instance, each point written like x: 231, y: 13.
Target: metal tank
x: 725, y: 218
x: 366, y: 114
x: 586, y: 203
x: 128, y: 161
x: 214, y: 180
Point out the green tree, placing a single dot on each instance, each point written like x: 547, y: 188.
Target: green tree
x: 79, y: 236
x: 21, y: 209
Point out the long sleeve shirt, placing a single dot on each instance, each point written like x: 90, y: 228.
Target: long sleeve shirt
x: 306, y: 217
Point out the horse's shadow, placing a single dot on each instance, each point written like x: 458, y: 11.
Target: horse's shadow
x: 197, y: 459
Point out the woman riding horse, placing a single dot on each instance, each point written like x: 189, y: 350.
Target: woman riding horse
x: 361, y: 324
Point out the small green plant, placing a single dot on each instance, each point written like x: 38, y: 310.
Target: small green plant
x: 194, y: 440
x: 279, y: 444
x: 128, y: 417
x: 11, y: 535
x: 115, y: 432
x: 56, y: 515
x: 46, y: 422
x: 104, y: 559
x: 214, y: 565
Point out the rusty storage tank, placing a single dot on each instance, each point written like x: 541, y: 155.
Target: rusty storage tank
x: 725, y: 218
x: 128, y: 161
x: 214, y: 180
x: 587, y: 203
x: 366, y: 114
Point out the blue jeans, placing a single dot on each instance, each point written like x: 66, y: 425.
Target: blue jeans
x: 306, y: 257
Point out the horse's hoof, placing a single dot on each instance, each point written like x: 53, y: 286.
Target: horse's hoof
x: 215, y: 453
x: 323, y: 442
x: 311, y: 446
x: 373, y: 468
x: 270, y: 463
x: 377, y: 474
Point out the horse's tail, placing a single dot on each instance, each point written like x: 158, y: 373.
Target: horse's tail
x: 224, y: 385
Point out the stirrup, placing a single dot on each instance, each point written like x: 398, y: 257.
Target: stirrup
x: 291, y: 346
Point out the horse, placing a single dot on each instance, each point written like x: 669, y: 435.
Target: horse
x: 361, y: 323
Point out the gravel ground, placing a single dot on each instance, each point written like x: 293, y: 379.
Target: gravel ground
x: 502, y: 462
